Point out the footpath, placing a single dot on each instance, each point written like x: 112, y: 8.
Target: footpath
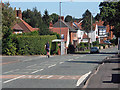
x: 107, y: 75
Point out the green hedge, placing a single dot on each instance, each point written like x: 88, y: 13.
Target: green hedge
x: 33, y: 45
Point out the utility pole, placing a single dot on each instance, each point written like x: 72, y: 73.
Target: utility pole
x: 91, y: 29
x: 60, y: 17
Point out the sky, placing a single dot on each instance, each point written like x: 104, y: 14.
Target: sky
x: 74, y: 8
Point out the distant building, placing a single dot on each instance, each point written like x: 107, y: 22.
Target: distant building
x: 22, y: 26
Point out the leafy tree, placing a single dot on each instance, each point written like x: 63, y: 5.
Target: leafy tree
x: 68, y: 18
x: 54, y: 18
x: 33, y: 18
x: 8, y: 20
x: 98, y: 17
x: 86, y: 23
x: 46, y: 18
x: 44, y: 30
x: 110, y: 12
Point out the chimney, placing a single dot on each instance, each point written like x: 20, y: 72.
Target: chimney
x: 62, y: 18
x: 18, y: 13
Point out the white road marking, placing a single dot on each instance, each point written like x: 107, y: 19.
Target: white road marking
x: 61, y: 62
x: 82, y: 78
x: 37, y: 71
x: 31, y: 65
x: 50, y: 76
x: 61, y: 77
x: 76, y: 57
x: 36, y: 76
x: 70, y: 59
x: 13, y: 79
x: 42, y: 76
x: 52, y: 66
x: 11, y: 71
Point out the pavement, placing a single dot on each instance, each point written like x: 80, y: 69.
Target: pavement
x: 106, y: 76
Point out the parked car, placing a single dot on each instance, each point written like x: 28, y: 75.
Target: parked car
x: 94, y: 50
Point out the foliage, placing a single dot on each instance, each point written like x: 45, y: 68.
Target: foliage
x: 86, y: 23
x: 71, y: 49
x: 54, y: 17
x: 33, y: 45
x: 54, y: 48
x: 110, y: 12
x: 96, y: 43
x: 33, y: 18
x: 34, y: 33
x: 68, y: 18
x: 8, y: 20
x: 98, y: 17
x: 57, y: 35
x: 44, y: 30
x: 46, y: 18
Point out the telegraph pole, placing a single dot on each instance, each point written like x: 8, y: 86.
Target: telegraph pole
x: 60, y: 17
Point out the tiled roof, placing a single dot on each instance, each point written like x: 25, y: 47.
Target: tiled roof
x: 22, y: 25
x: 85, y: 36
x: 64, y: 30
x: 17, y: 27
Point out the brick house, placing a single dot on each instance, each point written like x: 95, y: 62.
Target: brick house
x: 104, y: 32
x: 22, y: 26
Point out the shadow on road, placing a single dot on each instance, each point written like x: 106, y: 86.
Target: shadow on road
x: 115, y: 79
x: 116, y: 69
x: 94, y: 62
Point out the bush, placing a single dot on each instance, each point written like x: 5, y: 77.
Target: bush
x: 96, y: 43
x: 71, y: 49
x: 33, y: 45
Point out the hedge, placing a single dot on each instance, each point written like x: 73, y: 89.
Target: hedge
x: 33, y: 45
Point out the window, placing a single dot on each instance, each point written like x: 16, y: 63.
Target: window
x: 62, y: 36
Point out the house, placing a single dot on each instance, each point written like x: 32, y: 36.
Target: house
x: 64, y: 30
x: 22, y: 26
x: 103, y: 32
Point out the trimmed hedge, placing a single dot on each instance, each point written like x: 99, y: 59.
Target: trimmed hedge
x: 33, y: 45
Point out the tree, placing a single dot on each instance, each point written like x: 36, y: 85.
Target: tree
x: 98, y: 17
x: 33, y: 18
x: 44, y: 30
x: 110, y: 12
x: 54, y: 18
x: 68, y: 18
x: 46, y: 18
x: 86, y: 23
x: 8, y: 20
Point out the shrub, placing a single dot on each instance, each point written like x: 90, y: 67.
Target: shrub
x: 33, y: 45
x: 96, y: 43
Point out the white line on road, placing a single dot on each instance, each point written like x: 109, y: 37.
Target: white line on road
x: 76, y: 57
x: 61, y: 77
x: 70, y: 59
x: 50, y: 76
x: 11, y: 71
x: 13, y: 79
x: 82, y: 78
x: 61, y: 62
x: 37, y: 76
x: 31, y: 65
x: 42, y: 76
x: 37, y: 71
x: 52, y: 66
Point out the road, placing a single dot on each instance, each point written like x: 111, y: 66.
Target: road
x: 65, y: 71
